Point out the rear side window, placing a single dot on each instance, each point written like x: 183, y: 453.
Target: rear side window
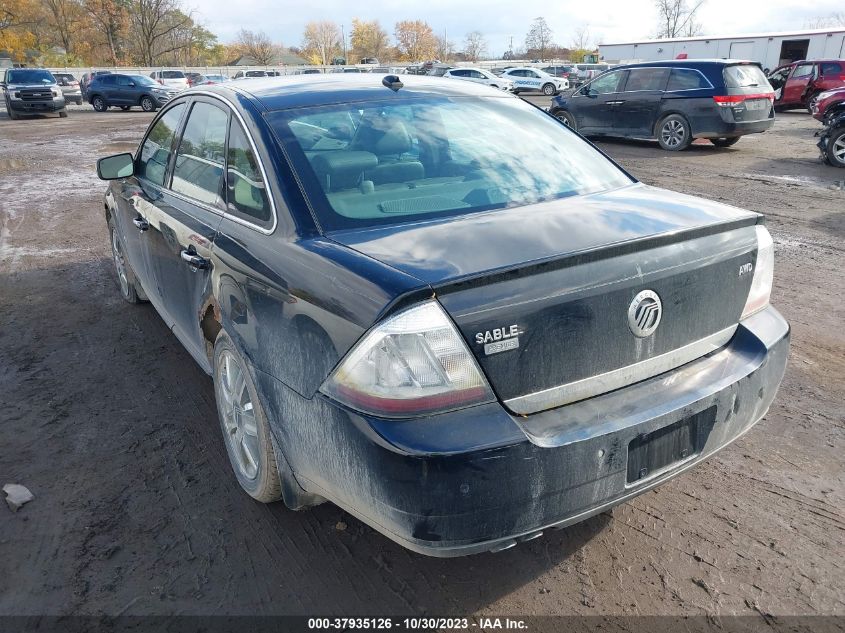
x: 744, y: 76
x: 830, y: 68
x: 157, y: 147
x: 646, y: 79
x: 198, y: 173
x: 247, y: 192
x: 686, y: 79
x: 172, y: 74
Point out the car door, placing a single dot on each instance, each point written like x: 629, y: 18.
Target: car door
x: 594, y: 103
x: 797, y: 83
x: 123, y: 92
x: 132, y: 198
x: 636, y: 108
x: 183, y: 225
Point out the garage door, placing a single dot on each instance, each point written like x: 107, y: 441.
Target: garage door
x: 742, y: 50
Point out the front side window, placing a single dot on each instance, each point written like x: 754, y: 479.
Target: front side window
x: 393, y: 162
x: 646, y: 79
x: 158, y: 146
x: 246, y: 190
x: 607, y: 84
x: 123, y: 81
x: 198, y: 172
x: 802, y: 70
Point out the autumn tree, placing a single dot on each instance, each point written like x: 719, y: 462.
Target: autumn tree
x: 110, y: 18
x: 474, y: 46
x: 415, y: 40
x: 64, y: 17
x: 321, y: 41
x: 152, y: 23
x: 539, y: 37
x: 257, y: 45
x: 677, y: 18
x: 826, y: 21
x: 369, y: 39
x: 16, y: 20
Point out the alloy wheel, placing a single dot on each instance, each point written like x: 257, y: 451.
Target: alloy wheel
x: 838, y: 149
x: 238, y: 416
x: 120, y: 264
x: 673, y: 133
x: 147, y: 104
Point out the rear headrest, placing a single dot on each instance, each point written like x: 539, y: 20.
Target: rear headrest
x: 342, y: 169
x: 384, y: 137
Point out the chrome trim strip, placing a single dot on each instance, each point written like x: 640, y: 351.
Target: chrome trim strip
x: 186, y: 94
x: 617, y: 378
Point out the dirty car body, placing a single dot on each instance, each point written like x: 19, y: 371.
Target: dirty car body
x: 460, y: 342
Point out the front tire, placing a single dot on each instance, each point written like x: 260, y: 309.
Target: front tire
x: 99, y: 104
x: 126, y: 280
x: 674, y: 133
x: 836, y: 147
x: 549, y: 89
x: 567, y: 119
x: 63, y: 113
x: 147, y: 104
x: 724, y: 142
x: 243, y: 421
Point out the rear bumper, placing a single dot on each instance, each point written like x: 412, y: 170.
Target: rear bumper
x: 480, y: 479
x: 722, y: 129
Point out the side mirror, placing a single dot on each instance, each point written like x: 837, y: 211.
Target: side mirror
x: 131, y: 84
x: 116, y: 167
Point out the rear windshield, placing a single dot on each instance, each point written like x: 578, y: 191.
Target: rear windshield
x: 172, y: 74
x: 393, y: 162
x: 29, y: 76
x: 745, y: 76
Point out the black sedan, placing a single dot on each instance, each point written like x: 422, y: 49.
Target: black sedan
x: 459, y: 339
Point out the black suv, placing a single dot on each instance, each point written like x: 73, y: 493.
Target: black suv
x: 674, y: 101
x: 126, y: 91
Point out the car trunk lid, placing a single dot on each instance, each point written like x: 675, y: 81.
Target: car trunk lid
x: 542, y: 294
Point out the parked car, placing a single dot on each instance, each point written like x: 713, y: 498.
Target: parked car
x: 126, y: 91
x: 213, y: 79
x: 87, y: 78
x: 247, y: 74
x: 588, y: 72
x: 828, y: 104
x: 194, y: 78
x: 569, y: 72
x: 674, y: 101
x: 32, y: 91
x: 70, y: 87
x: 460, y: 339
x: 798, y: 83
x: 308, y: 71
x: 175, y: 79
x: 832, y: 140
x: 535, y: 80
x: 436, y: 69
x: 370, y: 60
x: 480, y: 76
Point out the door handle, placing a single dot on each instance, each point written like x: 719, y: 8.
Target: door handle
x: 615, y: 102
x: 194, y: 260
x: 141, y: 223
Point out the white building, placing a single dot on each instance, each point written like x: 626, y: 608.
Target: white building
x: 770, y: 49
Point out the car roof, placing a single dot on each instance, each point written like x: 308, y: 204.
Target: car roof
x: 293, y: 91
x: 692, y: 63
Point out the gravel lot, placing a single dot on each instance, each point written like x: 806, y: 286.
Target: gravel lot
x: 110, y: 423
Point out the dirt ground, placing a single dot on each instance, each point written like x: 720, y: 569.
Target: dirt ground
x: 105, y: 417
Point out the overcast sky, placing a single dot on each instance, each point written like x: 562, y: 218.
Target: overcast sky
x: 608, y: 21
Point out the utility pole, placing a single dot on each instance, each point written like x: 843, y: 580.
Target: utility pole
x: 343, y: 36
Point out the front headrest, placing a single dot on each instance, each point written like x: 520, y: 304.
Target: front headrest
x: 342, y: 169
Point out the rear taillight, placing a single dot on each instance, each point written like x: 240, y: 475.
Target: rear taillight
x: 764, y: 268
x: 729, y: 101
x: 414, y: 363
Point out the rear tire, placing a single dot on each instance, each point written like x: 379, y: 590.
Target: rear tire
x: 147, y: 104
x: 243, y: 421
x: 674, y: 133
x: 99, y: 104
x: 549, y: 89
x: 836, y: 147
x: 724, y: 142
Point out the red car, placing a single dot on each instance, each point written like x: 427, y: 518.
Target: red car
x: 828, y: 104
x: 796, y: 84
